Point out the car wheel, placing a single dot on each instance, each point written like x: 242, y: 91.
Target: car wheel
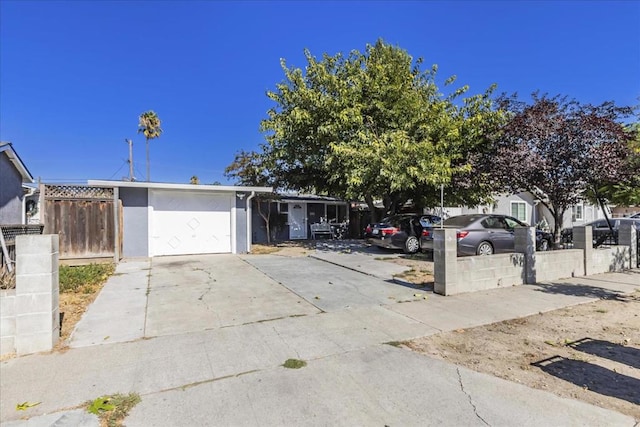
x: 412, y: 245
x: 484, y: 248
x: 544, y: 245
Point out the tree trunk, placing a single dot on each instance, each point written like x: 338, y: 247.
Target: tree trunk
x: 604, y: 211
x: 148, y: 166
x: 266, y: 218
x: 372, y: 208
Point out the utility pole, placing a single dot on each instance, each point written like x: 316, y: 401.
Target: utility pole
x: 130, y: 158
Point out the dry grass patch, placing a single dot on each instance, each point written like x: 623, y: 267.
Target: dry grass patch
x: 79, y: 287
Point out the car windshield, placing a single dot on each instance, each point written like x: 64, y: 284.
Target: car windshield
x: 427, y: 221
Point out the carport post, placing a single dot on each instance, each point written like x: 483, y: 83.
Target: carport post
x: 445, y: 261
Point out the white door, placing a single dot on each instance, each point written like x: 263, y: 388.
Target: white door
x: 297, y: 221
x: 189, y: 222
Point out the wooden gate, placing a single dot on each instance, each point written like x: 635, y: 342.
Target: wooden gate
x: 84, y: 218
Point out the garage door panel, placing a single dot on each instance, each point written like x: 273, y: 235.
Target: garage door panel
x: 191, y: 223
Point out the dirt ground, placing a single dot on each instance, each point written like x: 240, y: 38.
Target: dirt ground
x: 589, y: 352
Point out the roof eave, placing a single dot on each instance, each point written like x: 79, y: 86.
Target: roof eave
x: 173, y: 186
x: 7, y: 148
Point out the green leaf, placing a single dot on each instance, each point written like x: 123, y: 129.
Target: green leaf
x: 101, y: 404
x: 26, y: 405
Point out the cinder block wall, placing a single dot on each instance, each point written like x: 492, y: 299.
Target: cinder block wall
x: 478, y: 273
x: 559, y: 264
x: 7, y: 321
x: 605, y: 260
x: 36, y: 303
x: 453, y: 275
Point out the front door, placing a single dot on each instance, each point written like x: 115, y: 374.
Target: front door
x: 297, y: 221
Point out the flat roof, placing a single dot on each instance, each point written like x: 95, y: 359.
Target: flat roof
x: 172, y: 186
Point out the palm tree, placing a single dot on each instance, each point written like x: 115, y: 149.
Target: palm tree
x: 149, y: 125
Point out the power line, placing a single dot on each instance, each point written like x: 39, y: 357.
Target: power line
x: 119, y: 169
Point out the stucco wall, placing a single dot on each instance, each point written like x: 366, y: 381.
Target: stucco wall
x: 241, y: 223
x: 10, y: 192
x: 135, y: 220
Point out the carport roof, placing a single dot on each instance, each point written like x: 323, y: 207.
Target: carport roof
x: 170, y: 186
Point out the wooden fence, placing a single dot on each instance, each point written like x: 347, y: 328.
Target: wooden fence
x: 84, y: 218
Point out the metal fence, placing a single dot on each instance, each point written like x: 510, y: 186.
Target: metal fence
x: 8, y: 240
x: 8, y: 234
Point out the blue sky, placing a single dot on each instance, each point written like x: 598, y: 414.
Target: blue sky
x: 75, y: 76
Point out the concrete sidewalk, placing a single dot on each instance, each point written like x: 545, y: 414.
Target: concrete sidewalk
x: 215, y: 358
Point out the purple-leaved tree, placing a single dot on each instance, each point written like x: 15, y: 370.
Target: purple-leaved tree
x: 559, y: 150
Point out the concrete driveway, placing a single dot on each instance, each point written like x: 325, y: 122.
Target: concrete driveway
x: 218, y: 328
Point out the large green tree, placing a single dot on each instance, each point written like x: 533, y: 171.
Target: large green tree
x: 149, y: 125
x: 375, y: 126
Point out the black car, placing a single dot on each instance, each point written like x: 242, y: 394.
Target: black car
x: 601, y: 232
x: 401, y: 231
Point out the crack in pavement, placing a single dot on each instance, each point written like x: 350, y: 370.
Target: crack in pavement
x: 475, y: 409
x: 285, y: 341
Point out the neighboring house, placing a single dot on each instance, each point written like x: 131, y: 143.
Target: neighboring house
x: 13, y: 174
x: 291, y: 216
x: 625, y: 211
x: 182, y: 219
x: 526, y: 208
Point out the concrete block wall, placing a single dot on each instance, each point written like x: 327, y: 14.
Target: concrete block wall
x: 562, y: 264
x: 608, y: 259
x: 7, y: 321
x: 453, y: 275
x: 479, y: 273
x: 35, y: 301
x: 445, y: 252
x: 628, y: 237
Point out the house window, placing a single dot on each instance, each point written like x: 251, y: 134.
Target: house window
x: 577, y: 213
x: 519, y: 211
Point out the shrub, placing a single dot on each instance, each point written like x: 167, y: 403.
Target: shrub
x: 74, y: 279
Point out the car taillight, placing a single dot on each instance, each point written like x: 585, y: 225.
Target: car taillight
x: 461, y: 234
x: 368, y: 229
x: 389, y: 231
x: 425, y: 233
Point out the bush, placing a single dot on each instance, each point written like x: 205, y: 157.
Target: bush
x: 74, y: 279
x: 7, y: 280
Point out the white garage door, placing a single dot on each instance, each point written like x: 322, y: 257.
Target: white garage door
x: 189, y: 222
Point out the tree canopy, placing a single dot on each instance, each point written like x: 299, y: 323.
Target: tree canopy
x: 373, y: 126
x: 626, y: 190
x: 149, y: 125
x: 559, y: 150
